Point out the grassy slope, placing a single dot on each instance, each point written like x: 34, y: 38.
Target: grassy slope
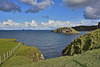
x: 29, y: 52
x: 83, y: 43
x: 22, y: 55
x: 87, y: 59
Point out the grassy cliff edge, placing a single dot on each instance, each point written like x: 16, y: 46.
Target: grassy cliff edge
x: 83, y: 43
x: 24, y: 54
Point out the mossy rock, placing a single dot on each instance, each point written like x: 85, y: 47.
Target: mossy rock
x: 65, y: 30
x: 83, y: 43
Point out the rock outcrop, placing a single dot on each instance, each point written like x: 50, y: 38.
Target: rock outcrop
x: 83, y: 43
x: 65, y: 30
x: 99, y: 25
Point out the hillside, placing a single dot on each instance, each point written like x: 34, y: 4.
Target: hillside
x: 23, y: 54
x: 65, y: 30
x: 83, y: 43
x: 87, y: 59
x: 87, y: 28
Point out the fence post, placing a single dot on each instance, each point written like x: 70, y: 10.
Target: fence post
x: 7, y: 55
x: 11, y: 52
x: 4, y: 57
x: 0, y: 59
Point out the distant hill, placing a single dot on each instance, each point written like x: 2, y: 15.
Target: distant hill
x: 87, y: 28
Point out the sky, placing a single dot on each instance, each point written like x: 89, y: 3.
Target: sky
x: 47, y: 14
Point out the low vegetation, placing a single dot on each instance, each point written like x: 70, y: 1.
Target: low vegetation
x: 87, y: 59
x: 5, y: 43
x: 22, y: 55
x: 83, y: 43
x: 65, y: 30
x: 29, y: 52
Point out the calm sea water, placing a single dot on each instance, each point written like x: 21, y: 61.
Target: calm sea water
x: 49, y: 43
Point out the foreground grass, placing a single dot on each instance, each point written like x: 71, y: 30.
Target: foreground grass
x: 23, y: 55
x: 31, y: 53
x: 88, y: 59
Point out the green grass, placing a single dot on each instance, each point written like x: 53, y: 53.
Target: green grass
x: 83, y: 43
x: 88, y: 59
x: 29, y: 52
x: 17, y: 61
x: 23, y: 55
x: 5, y: 43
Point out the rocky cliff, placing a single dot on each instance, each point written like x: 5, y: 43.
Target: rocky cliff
x: 65, y: 30
x: 83, y: 43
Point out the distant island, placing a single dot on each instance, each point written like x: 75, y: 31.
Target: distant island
x: 87, y: 28
x: 65, y: 30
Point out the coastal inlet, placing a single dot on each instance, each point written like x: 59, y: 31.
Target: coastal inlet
x: 49, y: 43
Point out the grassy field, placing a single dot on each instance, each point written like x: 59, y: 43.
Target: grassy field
x: 5, y: 43
x: 88, y: 59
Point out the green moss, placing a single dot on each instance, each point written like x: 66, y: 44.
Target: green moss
x: 83, y: 43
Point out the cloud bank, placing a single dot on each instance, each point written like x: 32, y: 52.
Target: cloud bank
x: 37, y: 6
x: 51, y: 24
x: 8, y: 6
x: 91, y: 7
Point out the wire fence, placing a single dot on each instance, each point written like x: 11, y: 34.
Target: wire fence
x: 8, y: 54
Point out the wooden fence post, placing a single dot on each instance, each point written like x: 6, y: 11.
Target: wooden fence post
x: 0, y: 59
x: 7, y: 55
x: 4, y: 57
x: 11, y: 52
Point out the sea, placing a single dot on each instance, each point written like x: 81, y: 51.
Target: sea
x: 49, y: 43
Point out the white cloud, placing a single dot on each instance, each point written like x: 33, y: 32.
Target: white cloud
x: 37, y: 6
x: 91, y: 7
x: 54, y: 24
x: 32, y: 24
x: 51, y: 24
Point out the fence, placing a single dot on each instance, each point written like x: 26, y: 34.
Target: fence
x: 8, y: 54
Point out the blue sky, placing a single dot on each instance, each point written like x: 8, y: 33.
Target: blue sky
x: 56, y: 11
